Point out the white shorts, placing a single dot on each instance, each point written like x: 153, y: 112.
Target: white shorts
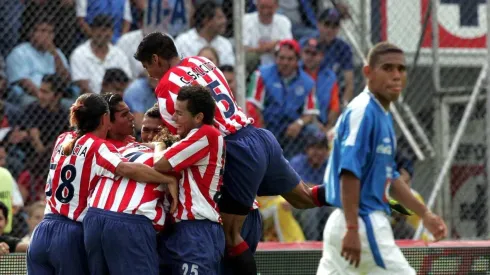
x: 388, y: 253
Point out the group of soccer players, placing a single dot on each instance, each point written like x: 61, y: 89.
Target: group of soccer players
x: 195, y: 177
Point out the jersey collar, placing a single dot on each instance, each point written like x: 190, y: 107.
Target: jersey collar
x: 366, y: 90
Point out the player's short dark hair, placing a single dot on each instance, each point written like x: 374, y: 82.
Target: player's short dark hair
x: 112, y: 100
x: 114, y: 75
x: 380, y: 49
x: 5, y: 210
x: 199, y: 100
x: 102, y: 21
x: 156, y: 43
x: 85, y: 116
x: 205, y: 11
x: 153, y: 112
x: 227, y: 68
x: 58, y: 85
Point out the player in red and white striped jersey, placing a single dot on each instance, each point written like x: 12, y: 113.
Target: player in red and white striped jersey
x: 200, y: 158
x: 255, y: 163
x: 78, y: 161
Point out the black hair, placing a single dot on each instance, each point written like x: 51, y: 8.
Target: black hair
x: 102, y: 21
x: 5, y: 210
x: 85, y: 117
x: 112, y: 100
x: 58, y: 85
x: 199, y: 100
x: 114, y: 75
x: 380, y: 49
x: 153, y: 112
x: 227, y: 68
x: 205, y: 11
x: 156, y: 43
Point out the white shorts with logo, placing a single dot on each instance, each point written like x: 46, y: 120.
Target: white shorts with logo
x: 382, y: 250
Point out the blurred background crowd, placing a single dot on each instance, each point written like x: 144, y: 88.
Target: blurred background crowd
x: 300, y: 75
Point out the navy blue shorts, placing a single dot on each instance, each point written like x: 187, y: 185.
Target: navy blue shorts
x: 120, y: 243
x: 193, y: 247
x: 251, y: 233
x: 57, y: 247
x: 255, y: 166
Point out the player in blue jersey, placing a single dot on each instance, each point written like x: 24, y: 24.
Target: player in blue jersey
x: 361, y: 176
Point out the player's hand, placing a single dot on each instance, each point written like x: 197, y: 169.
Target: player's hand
x: 173, y: 189
x: 293, y: 130
x: 4, y: 249
x: 435, y: 225
x: 351, y: 247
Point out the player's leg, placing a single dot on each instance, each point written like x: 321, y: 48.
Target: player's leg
x: 196, y: 247
x: 393, y: 260
x: 37, y: 254
x: 67, y: 250
x: 251, y: 233
x: 92, y: 227
x: 129, y: 243
x: 246, y: 163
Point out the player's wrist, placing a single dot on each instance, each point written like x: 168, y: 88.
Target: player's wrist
x: 352, y: 227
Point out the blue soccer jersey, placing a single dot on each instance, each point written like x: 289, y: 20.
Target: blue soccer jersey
x: 364, y: 144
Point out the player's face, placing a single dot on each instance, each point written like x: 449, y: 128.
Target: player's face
x: 123, y: 124
x: 3, y: 222
x: 150, y: 127
x: 230, y: 78
x: 266, y: 10
x: 388, y: 77
x: 156, y: 68
x: 287, y: 61
x: 184, y: 119
x: 3, y: 157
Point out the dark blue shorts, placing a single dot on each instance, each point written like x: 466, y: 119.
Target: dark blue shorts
x: 57, y: 247
x: 251, y: 233
x: 119, y: 243
x: 194, y: 247
x: 255, y: 166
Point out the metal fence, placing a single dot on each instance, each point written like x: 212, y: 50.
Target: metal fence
x: 444, y: 40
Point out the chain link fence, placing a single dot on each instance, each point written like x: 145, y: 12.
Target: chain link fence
x: 52, y: 51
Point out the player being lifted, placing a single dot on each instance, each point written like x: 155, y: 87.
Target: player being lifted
x: 197, y: 242
x: 78, y: 161
x: 255, y: 164
x: 361, y: 175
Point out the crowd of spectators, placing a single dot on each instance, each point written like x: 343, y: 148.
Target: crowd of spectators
x: 299, y: 73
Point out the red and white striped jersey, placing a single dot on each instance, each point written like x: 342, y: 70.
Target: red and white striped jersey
x: 229, y: 118
x: 125, y: 195
x: 200, y: 158
x: 72, y: 178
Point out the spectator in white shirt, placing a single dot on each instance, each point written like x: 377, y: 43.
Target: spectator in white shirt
x: 210, y: 22
x: 90, y: 60
x: 262, y: 30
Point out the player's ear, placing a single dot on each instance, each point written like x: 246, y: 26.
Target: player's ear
x: 154, y: 59
x: 198, y: 118
x: 366, y: 71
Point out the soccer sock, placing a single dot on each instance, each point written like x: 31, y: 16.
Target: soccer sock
x: 319, y: 198
x: 242, y: 260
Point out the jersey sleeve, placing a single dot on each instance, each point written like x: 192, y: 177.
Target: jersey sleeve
x: 310, y: 107
x: 166, y: 105
x: 107, y: 158
x: 355, y: 136
x: 188, y: 151
x: 256, y: 90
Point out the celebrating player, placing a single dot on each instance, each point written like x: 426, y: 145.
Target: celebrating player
x: 255, y: 164
x: 78, y: 161
x: 197, y: 242
x: 119, y: 225
x: 362, y: 173
x: 121, y: 128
